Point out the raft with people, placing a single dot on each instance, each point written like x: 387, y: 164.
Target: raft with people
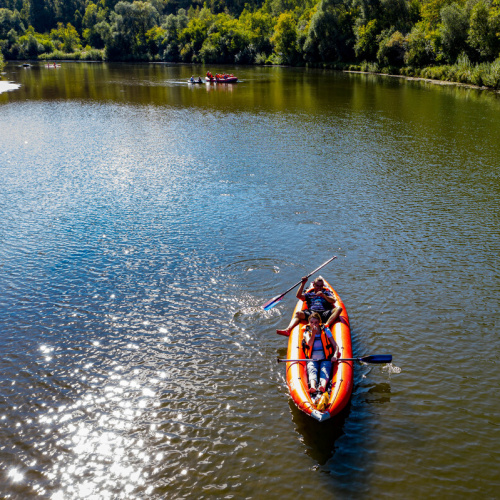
x: 321, y: 405
x: 221, y: 78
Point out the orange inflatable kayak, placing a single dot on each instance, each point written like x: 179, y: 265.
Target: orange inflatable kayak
x: 340, y: 389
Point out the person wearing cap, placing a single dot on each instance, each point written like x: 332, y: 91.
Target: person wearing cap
x: 319, y: 300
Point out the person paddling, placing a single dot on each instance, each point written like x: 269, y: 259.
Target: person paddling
x: 318, y: 300
x: 321, y: 348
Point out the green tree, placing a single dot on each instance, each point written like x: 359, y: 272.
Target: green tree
x: 227, y: 42
x: 42, y: 15
x: 130, y: 22
x: 391, y: 50
x: 330, y: 36
x: 28, y: 45
x: 484, y: 32
x: 194, y: 35
x: 366, y: 10
x: 431, y: 12
x: 175, y: 6
x: 10, y: 20
x: 25, y: 12
x: 154, y: 38
x: 259, y: 27
x: 454, y: 31
x: 284, y: 39
x: 91, y: 19
x: 366, y: 45
x: 66, y: 38
x: 173, y: 26
x: 420, y: 49
x: 278, y: 7
x: 396, y: 14
x: 68, y: 11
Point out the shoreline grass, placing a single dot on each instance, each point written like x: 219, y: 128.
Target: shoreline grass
x: 463, y: 72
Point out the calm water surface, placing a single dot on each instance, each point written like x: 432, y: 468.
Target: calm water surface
x: 145, y: 221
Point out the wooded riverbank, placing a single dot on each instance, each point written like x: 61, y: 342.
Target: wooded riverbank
x: 438, y: 40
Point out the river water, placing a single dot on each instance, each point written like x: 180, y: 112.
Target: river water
x: 144, y: 223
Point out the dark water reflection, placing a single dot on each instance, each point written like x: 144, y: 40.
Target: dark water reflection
x: 320, y: 440
x: 144, y: 223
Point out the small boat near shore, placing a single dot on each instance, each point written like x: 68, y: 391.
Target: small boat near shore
x: 340, y: 386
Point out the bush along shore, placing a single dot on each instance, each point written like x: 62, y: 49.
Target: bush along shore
x: 484, y: 75
x: 456, y: 41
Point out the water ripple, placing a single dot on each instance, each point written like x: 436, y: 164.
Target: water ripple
x: 140, y: 238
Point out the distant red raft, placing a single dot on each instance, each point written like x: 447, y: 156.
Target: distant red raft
x: 221, y: 78
x: 342, y: 373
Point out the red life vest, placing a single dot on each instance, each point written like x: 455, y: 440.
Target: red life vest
x: 328, y: 349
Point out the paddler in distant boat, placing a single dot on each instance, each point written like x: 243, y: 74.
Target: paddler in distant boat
x: 319, y: 300
x: 321, y: 348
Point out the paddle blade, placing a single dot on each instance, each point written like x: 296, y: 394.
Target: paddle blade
x: 271, y: 303
x: 377, y: 358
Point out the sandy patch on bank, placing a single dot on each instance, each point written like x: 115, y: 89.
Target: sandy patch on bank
x: 6, y: 86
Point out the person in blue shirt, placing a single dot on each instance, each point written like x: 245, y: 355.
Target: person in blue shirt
x: 319, y: 300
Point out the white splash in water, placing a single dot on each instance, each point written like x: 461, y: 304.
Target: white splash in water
x: 390, y: 368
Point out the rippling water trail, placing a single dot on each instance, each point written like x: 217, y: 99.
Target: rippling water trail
x: 145, y: 222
